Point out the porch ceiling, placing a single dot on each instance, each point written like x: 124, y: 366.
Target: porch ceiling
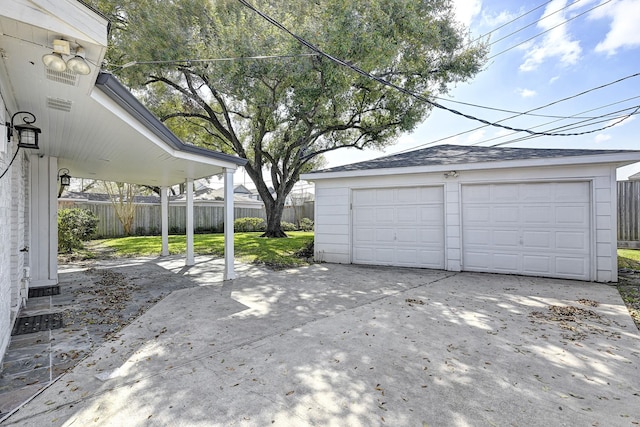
x: 92, y: 124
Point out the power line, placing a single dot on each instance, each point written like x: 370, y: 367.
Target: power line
x: 535, y: 22
x: 552, y: 28
x: 510, y: 22
x: 394, y: 86
x: 515, y: 132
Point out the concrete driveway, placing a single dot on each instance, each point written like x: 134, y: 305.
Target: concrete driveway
x: 359, y: 346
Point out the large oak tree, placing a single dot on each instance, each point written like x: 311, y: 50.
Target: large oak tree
x: 283, y: 113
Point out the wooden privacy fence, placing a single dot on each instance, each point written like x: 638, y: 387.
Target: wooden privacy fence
x: 206, y: 218
x: 629, y: 214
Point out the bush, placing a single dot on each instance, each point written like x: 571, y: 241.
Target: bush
x: 249, y: 224
x: 74, y: 227
x: 287, y: 226
x: 306, y: 224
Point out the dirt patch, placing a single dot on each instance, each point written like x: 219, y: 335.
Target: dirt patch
x: 629, y: 288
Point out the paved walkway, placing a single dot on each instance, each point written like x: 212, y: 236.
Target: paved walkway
x: 348, y: 345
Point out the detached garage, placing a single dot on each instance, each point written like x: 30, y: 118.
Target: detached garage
x: 535, y: 212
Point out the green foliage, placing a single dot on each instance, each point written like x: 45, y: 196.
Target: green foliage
x: 283, y: 113
x: 287, y: 226
x: 74, y: 227
x: 306, y: 224
x: 248, y: 224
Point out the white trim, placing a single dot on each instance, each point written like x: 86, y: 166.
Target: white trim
x: 164, y: 218
x: 189, y: 219
x: 229, y: 272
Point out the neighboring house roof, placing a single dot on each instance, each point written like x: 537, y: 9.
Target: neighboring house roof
x: 202, y: 195
x: 635, y: 177
x: 444, y: 157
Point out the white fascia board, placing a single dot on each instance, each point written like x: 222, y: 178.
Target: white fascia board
x: 618, y: 159
x: 68, y: 17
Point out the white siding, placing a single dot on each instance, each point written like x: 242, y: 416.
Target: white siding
x: 332, y: 225
x: 6, y: 245
x: 332, y: 208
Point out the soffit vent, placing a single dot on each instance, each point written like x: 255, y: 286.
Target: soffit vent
x: 59, y: 104
x: 66, y: 77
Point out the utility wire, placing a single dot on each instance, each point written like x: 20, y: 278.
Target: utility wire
x: 552, y: 28
x: 510, y: 22
x: 394, y: 86
x: 535, y: 23
x: 515, y: 132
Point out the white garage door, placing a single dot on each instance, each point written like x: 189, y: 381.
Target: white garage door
x: 540, y: 229
x: 398, y: 226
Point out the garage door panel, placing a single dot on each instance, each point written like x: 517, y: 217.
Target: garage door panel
x: 384, y: 215
x: 536, y: 264
x: 571, y: 266
x: 407, y: 214
x: 505, y: 192
x: 546, y: 226
x: 407, y: 225
x: 477, y: 214
x: 475, y: 237
x: 577, y: 215
x: 505, y: 214
x: 572, y: 240
x: 385, y: 196
x: 505, y: 238
x: 505, y: 262
x: 538, y: 214
x: 572, y: 192
x: 432, y: 215
x: 537, y: 239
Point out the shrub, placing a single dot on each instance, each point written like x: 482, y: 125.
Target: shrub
x: 74, y: 227
x: 287, y: 226
x: 249, y: 224
x: 306, y: 224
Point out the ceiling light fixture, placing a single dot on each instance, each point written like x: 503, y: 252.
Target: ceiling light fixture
x: 55, y: 61
x: 65, y: 178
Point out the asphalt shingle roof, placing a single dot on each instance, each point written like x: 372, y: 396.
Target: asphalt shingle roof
x: 458, y: 154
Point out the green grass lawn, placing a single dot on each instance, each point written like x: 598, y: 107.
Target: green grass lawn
x: 249, y: 247
x: 629, y: 258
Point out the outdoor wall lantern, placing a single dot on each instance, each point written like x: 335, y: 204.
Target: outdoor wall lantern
x: 65, y: 178
x: 27, y: 133
x: 55, y: 61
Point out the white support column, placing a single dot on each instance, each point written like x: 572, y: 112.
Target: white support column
x: 229, y: 273
x: 190, y: 256
x: 164, y: 213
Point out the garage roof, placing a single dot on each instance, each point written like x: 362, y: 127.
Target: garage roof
x: 445, y: 157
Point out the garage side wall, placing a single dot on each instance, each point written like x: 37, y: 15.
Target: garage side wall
x: 333, y: 228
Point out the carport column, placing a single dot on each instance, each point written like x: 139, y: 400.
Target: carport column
x: 229, y: 272
x: 190, y: 257
x: 164, y: 213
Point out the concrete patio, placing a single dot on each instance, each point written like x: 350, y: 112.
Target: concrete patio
x: 350, y: 345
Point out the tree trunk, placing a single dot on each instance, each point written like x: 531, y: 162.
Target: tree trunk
x: 274, y: 218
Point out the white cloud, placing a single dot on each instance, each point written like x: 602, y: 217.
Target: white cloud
x: 475, y: 136
x: 493, y: 21
x: 623, y: 32
x: 526, y: 93
x: 601, y: 137
x: 466, y: 10
x: 553, y: 79
x: 556, y: 43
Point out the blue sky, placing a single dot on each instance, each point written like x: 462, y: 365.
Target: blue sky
x: 601, y: 44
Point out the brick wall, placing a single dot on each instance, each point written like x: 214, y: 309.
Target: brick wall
x: 5, y: 238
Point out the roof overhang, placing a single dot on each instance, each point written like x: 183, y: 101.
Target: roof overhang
x: 94, y: 125
x: 616, y: 158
